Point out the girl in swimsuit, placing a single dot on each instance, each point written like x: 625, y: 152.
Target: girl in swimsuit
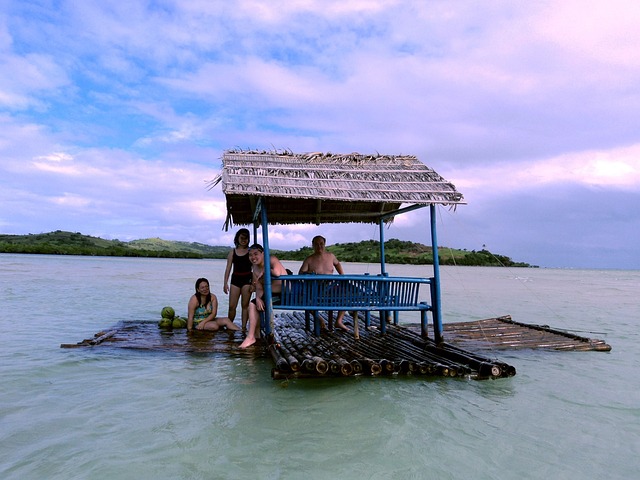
x: 238, y: 258
x: 203, y: 308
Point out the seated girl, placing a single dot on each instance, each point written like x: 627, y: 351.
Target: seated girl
x: 203, y: 308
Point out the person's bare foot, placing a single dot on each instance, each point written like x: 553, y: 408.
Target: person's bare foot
x: 247, y: 342
x: 342, y: 326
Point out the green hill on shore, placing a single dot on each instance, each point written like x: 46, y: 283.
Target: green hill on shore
x: 368, y: 251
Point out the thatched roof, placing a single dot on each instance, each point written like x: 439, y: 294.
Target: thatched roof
x: 327, y: 188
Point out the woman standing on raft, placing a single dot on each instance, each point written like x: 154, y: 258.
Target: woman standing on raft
x: 203, y: 308
x: 238, y: 258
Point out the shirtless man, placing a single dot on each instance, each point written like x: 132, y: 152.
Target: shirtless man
x: 323, y: 263
x: 256, y: 256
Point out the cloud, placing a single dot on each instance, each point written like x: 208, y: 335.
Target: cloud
x: 618, y: 168
x: 605, y: 33
x: 28, y: 79
x: 116, y: 113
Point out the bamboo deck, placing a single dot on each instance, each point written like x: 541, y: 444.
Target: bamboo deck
x: 298, y: 353
x: 148, y: 336
x: 503, y: 333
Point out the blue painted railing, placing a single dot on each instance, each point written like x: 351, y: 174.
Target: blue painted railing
x: 355, y: 293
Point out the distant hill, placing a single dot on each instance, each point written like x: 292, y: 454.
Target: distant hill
x: 404, y: 252
x: 159, y: 245
x: 69, y: 243
x: 368, y: 251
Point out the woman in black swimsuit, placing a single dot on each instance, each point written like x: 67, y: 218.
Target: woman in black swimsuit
x: 238, y: 260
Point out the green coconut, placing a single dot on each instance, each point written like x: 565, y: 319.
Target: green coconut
x: 168, y: 312
x: 179, y: 323
x: 165, y: 323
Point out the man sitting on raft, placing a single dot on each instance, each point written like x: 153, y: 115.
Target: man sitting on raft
x: 256, y: 256
x: 322, y: 262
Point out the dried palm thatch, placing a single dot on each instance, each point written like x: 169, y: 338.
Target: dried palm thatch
x: 327, y: 188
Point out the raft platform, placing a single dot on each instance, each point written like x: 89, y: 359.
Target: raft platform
x: 503, y: 333
x: 298, y: 353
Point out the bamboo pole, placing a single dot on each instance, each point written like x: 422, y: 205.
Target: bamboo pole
x: 97, y: 339
x: 398, y: 351
x: 343, y: 360
x: 309, y: 358
x: 466, y: 362
x: 340, y: 364
x: 412, y: 352
x: 293, y: 362
x: 381, y: 350
x: 281, y: 363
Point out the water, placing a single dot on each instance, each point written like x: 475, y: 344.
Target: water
x: 123, y: 414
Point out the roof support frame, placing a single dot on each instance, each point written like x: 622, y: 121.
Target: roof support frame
x: 436, y: 298
x: 318, y: 188
x: 268, y: 296
x: 403, y: 210
x: 435, y: 286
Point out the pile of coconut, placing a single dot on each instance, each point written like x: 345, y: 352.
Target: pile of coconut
x: 171, y: 320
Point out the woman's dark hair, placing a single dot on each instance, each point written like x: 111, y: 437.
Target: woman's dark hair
x: 198, y: 295
x: 256, y: 246
x: 242, y: 231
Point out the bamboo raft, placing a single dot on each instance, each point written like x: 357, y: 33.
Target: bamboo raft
x: 297, y: 352
x: 148, y: 336
x: 503, y: 333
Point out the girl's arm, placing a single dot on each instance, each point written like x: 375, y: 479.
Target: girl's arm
x: 256, y: 284
x: 191, y: 309
x: 227, y: 271
x: 214, y: 307
x: 258, y: 287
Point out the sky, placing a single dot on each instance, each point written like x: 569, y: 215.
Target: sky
x: 114, y: 115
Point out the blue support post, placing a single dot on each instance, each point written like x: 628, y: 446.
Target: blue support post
x: 436, y: 300
x: 268, y: 306
x: 382, y: 255
x: 382, y: 259
x: 383, y: 272
x: 424, y: 327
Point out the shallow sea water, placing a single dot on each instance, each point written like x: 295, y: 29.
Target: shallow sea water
x: 124, y: 414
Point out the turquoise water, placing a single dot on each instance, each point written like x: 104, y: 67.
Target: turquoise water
x: 121, y: 414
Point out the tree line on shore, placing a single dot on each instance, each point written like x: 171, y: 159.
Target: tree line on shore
x: 367, y: 251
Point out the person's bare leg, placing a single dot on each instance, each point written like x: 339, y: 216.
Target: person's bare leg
x: 245, y: 299
x: 234, y: 294
x: 254, y: 326
x: 211, y: 326
x: 339, y: 322
x: 226, y: 322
